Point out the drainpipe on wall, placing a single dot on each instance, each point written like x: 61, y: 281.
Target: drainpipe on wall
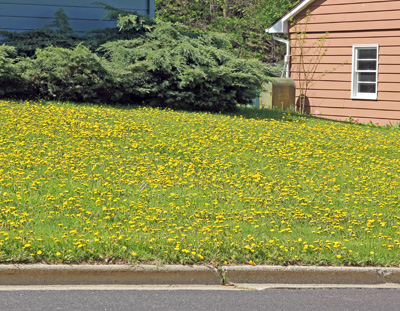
x: 287, y: 56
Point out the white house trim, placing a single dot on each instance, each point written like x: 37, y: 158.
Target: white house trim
x: 282, y: 25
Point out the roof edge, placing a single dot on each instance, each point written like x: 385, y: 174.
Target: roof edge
x: 282, y: 24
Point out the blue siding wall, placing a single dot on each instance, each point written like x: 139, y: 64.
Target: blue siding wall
x: 19, y: 15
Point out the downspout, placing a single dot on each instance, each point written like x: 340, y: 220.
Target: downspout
x: 287, y: 56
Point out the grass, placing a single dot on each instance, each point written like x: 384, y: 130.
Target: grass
x: 101, y: 184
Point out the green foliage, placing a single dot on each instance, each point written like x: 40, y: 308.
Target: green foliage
x: 166, y: 68
x: 6, y: 61
x: 10, y: 80
x: 132, y: 22
x: 61, y: 22
x: 127, y: 20
x: 244, y: 20
x: 194, y: 14
x: 66, y: 74
x: 27, y: 42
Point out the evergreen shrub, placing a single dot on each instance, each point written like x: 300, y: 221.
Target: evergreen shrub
x: 11, y: 82
x: 167, y: 68
x: 66, y: 74
x: 27, y: 42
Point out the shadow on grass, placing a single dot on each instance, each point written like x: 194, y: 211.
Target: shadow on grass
x: 242, y: 111
x: 255, y: 113
x: 278, y: 114
x: 245, y: 112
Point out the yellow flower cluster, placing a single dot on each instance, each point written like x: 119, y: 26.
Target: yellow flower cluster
x: 89, y: 183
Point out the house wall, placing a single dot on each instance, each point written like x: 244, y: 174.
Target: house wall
x: 20, y: 15
x: 351, y: 22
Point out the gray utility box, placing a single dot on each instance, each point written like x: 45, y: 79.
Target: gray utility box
x: 278, y: 93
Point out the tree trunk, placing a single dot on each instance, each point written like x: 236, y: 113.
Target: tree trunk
x: 226, y: 9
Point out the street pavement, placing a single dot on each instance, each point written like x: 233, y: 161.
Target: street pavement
x: 176, y: 299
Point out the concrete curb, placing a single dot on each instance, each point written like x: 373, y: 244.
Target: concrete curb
x: 311, y: 275
x: 107, y: 274
x: 192, y: 275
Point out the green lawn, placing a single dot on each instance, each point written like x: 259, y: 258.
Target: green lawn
x: 101, y: 184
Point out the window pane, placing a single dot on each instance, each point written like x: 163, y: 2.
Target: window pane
x: 367, y: 54
x: 366, y: 65
x: 367, y: 77
x: 366, y: 87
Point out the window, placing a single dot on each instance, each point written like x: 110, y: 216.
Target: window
x: 365, y: 72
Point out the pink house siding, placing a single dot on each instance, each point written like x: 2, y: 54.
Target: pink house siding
x: 352, y: 22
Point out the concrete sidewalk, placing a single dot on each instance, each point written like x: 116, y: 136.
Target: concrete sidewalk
x: 268, y: 276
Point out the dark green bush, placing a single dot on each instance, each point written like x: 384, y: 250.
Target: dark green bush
x: 11, y: 82
x: 27, y: 42
x: 67, y: 74
x: 166, y: 68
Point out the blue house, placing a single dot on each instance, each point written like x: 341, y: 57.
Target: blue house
x: 84, y: 15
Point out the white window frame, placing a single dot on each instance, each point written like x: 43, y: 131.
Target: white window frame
x: 354, y: 73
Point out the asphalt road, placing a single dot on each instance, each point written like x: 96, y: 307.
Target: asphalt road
x: 174, y: 300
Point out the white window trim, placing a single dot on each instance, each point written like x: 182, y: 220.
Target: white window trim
x: 354, y: 93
